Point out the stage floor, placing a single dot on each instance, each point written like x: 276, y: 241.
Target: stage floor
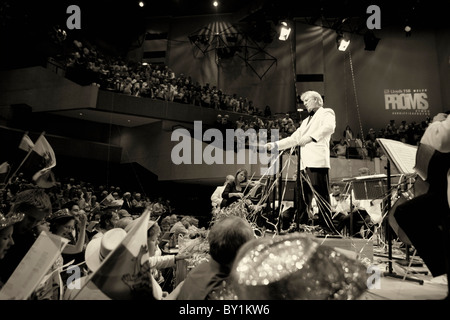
x: 407, y: 278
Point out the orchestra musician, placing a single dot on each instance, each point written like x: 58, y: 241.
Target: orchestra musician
x: 425, y: 218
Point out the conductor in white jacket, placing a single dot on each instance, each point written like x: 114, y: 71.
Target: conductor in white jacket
x: 313, y: 136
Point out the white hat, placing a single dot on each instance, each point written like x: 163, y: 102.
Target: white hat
x: 99, y: 248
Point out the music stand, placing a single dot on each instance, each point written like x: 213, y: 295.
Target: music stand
x: 403, y: 156
x: 365, y: 188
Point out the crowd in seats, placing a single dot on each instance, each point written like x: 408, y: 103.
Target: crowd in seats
x: 68, y: 210
x: 409, y: 133
x: 86, y: 212
x: 256, y: 128
x: 85, y: 64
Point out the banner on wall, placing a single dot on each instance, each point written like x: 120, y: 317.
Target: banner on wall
x: 411, y: 102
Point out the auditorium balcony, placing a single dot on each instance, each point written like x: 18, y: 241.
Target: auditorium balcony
x: 85, y: 122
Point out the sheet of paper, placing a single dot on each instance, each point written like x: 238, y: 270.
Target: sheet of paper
x: 33, y: 267
x: 402, y: 154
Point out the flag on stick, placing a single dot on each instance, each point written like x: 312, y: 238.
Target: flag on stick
x: 43, y: 148
x: 26, y: 144
x: 125, y: 272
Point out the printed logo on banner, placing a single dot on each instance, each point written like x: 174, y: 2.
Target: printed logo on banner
x: 407, y: 101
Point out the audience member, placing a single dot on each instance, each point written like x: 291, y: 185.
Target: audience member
x: 225, y: 238
x: 36, y: 206
x: 108, y: 221
x: 6, y: 230
x: 63, y: 223
x: 340, y: 149
x: 180, y: 228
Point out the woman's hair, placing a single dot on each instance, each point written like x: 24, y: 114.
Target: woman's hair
x: 56, y: 223
x: 245, y: 173
x: 105, y: 218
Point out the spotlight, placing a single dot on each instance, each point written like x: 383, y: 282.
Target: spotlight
x: 215, y: 3
x: 342, y: 42
x: 284, y: 32
x: 370, y: 41
x: 407, y: 31
x: 141, y: 4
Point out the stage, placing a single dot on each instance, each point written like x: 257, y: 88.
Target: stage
x: 398, y: 288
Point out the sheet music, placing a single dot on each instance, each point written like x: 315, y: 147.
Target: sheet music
x: 402, y: 154
x: 33, y: 267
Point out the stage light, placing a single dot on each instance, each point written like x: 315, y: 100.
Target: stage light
x: 342, y: 42
x: 215, y: 3
x: 284, y: 32
x: 407, y: 31
x: 141, y: 4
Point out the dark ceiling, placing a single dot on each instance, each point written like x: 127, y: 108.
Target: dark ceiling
x: 26, y: 26
x: 110, y: 13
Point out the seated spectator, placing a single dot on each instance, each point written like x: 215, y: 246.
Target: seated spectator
x: 225, y: 238
x: 180, y: 228
x: 340, y: 150
x: 138, y: 205
x: 158, y: 262
x: 127, y: 202
x: 62, y: 223
x: 36, y: 206
x: 165, y: 224
x: 6, y: 231
x: 158, y: 207
x: 108, y: 221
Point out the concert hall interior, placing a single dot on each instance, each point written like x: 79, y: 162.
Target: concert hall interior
x: 126, y: 108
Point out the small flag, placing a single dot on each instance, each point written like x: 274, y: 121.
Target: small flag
x: 125, y: 272
x: 43, y: 148
x: 4, y: 167
x: 108, y: 199
x: 46, y: 180
x: 26, y: 144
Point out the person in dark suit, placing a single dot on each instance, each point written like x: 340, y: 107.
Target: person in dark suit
x: 313, y: 136
x: 127, y: 203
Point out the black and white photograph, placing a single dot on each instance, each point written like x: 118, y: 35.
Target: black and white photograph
x: 265, y: 156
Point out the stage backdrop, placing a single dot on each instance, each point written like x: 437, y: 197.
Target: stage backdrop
x: 398, y: 81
